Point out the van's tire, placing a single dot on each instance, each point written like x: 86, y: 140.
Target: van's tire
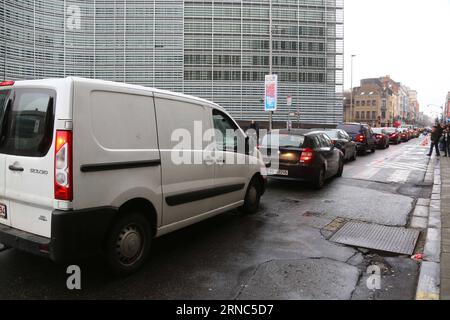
x: 128, y: 244
x: 373, y: 150
x: 252, y: 197
x: 319, y: 180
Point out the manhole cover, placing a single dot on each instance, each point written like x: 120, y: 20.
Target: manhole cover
x: 376, y: 237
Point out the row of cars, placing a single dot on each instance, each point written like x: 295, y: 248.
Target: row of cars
x: 318, y: 154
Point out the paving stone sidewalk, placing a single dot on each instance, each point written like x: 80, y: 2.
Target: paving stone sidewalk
x: 445, y: 235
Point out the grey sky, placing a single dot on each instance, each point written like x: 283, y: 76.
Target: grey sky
x: 406, y: 39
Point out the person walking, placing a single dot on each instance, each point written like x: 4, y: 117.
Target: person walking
x: 435, y: 137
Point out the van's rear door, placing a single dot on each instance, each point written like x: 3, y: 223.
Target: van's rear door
x: 28, y: 160
x: 4, y: 216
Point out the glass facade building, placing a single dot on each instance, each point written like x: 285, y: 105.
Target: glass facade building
x: 218, y: 50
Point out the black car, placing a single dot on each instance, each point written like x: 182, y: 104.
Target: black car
x: 361, y: 134
x: 343, y: 142
x: 302, y: 155
x: 381, y: 137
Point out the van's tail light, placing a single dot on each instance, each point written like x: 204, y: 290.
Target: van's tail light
x: 359, y: 138
x: 379, y: 136
x: 63, y: 166
x: 7, y: 83
x: 306, y: 156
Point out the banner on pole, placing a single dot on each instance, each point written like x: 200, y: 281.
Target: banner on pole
x: 271, y: 92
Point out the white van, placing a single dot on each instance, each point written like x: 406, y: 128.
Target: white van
x: 91, y: 167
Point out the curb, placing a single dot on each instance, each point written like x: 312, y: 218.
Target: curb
x: 429, y: 278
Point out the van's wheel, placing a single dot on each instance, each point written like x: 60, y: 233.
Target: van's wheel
x: 373, y: 150
x: 319, y: 181
x: 252, y: 197
x: 128, y: 244
x: 341, y: 169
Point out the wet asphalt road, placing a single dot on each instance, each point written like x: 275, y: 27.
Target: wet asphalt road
x: 280, y: 253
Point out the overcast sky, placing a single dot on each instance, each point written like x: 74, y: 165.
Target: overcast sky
x: 406, y: 39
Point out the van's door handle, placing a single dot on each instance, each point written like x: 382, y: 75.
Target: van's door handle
x: 14, y: 168
x: 220, y: 161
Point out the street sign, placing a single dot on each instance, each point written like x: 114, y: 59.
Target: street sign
x: 271, y: 92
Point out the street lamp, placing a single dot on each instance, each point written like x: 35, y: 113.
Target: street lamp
x: 440, y: 114
x: 351, y: 92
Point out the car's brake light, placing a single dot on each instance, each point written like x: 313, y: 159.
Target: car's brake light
x: 359, y: 138
x: 63, y: 166
x: 379, y: 136
x: 7, y: 83
x: 306, y: 156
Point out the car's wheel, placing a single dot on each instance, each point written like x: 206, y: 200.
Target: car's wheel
x: 128, y: 243
x: 373, y: 150
x: 355, y: 155
x: 341, y: 169
x: 252, y: 197
x: 319, y: 180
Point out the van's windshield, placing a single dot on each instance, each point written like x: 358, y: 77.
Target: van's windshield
x: 27, y: 117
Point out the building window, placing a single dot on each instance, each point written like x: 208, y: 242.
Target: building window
x: 357, y: 103
x: 374, y: 115
x: 363, y: 103
x: 357, y: 115
x: 368, y: 115
x: 374, y: 103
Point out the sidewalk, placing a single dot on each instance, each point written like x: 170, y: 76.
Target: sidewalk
x: 445, y: 235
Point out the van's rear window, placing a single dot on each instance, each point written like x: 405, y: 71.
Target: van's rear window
x: 27, y: 117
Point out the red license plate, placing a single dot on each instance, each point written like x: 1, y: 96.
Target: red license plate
x: 3, y: 213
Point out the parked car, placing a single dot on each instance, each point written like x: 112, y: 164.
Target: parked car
x: 394, y: 135
x: 404, y: 134
x: 343, y: 142
x: 90, y: 167
x: 381, y: 137
x: 361, y: 134
x: 303, y: 155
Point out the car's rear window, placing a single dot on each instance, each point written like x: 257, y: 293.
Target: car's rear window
x: 284, y: 140
x: 378, y: 130
x: 27, y: 117
x: 332, y: 134
x: 351, y: 129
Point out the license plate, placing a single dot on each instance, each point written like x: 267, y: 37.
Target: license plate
x: 274, y: 172
x: 3, y: 214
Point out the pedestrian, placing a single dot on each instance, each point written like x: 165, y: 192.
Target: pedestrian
x: 435, y: 137
x: 447, y: 141
x: 255, y: 127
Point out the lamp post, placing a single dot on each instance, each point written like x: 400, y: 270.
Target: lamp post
x: 440, y: 116
x: 270, y: 57
x: 351, y: 92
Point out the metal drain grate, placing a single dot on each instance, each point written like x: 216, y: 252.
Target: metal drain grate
x: 373, y: 236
